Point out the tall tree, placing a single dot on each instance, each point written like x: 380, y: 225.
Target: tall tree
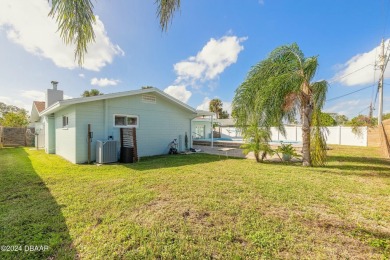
x: 278, y: 89
x: 224, y: 115
x: 14, y: 119
x: 91, y: 93
x: 325, y: 120
x: 386, y: 116
x: 4, y: 109
x: 215, y: 106
x: 361, y: 120
x: 340, y: 119
x: 257, y: 141
x: 13, y: 116
x: 75, y: 19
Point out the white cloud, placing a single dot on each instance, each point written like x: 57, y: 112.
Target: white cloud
x: 104, y: 82
x: 353, y: 107
x: 207, y: 65
x: 190, y: 69
x: 37, y: 34
x: 350, y: 108
x: 179, y: 92
x: 81, y: 75
x: 5, y: 100
x: 226, y: 105
x: 345, y: 107
x: 261, y: 2
x: 205, y: 104
x: 34, y: 95
x: 211, y: 61
x: 17, y: 102
x: 25, y: 99
x: 360, y: 69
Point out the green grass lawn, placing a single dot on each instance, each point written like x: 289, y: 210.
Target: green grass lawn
x: 196, y: 206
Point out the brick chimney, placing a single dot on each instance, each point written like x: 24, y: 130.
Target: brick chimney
x: 53, y: 95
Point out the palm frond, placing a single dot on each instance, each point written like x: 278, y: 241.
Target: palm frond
x: 319, y: 90
x: 278, y: 89
x: 166, y: 10
x: 75, y: 20
x: 318, y: 136
x: 310, y: 66
x: 318, y: 151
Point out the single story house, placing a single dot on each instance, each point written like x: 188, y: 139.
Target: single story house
x: 62, y: 125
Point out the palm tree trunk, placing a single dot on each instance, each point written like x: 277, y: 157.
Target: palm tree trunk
x: 306, y: 122
x: 256, y: 153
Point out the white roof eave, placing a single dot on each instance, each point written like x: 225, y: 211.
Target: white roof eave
x: 204, y: 113
x: 65, y: 103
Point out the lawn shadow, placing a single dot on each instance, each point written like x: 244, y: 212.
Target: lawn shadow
x: 168, y: 161
x: 29, y: 214
x: 378, y: 166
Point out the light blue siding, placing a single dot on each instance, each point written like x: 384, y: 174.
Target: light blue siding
x: 159, y: 124
x: 89, y: 113
x: 50, y: 138
x: 65, y: 141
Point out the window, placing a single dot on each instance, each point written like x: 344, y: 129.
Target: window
x: 125, y: 121
x: 120, y: 120
x: 65, y: 121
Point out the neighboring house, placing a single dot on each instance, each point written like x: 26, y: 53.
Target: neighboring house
x: 228, y: 129
x: 201, y: 128
x: 225, y: 127
x: 35, y: 121
x: 158, y: 118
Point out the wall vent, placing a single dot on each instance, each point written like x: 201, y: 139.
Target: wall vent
x: 106, y: 152
x: 149, y: 99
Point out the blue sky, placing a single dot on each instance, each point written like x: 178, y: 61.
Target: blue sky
x: 206, y: 52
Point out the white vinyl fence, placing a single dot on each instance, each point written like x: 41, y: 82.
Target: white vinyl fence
x: 336, y: 135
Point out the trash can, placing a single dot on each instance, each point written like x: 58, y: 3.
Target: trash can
x: 127, y: 155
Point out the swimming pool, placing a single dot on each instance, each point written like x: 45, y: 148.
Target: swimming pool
x: 230, y: 139
x: 241, y: 141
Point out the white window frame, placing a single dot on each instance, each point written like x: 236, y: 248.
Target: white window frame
x: 126, y: 116
x: 65, y: 117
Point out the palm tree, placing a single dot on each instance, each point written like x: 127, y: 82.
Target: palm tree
x: 91, y: 93
x: 257, y: 141
x: 215, y: 106
x: 75, y: 19
x: 277, y: 89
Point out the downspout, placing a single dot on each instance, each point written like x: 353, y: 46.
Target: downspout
x: 191, y: 144
x: 212, y: 133
x: 105, y: 118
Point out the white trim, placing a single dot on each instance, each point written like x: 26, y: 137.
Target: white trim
x: 34, y: 111
x: 204, y: 113
x: 64, y: 103
x: 126, y: 116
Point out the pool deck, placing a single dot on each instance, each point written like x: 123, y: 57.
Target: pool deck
x: 234, y: 152
x: 238, y: 143
x: 219, y: 143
